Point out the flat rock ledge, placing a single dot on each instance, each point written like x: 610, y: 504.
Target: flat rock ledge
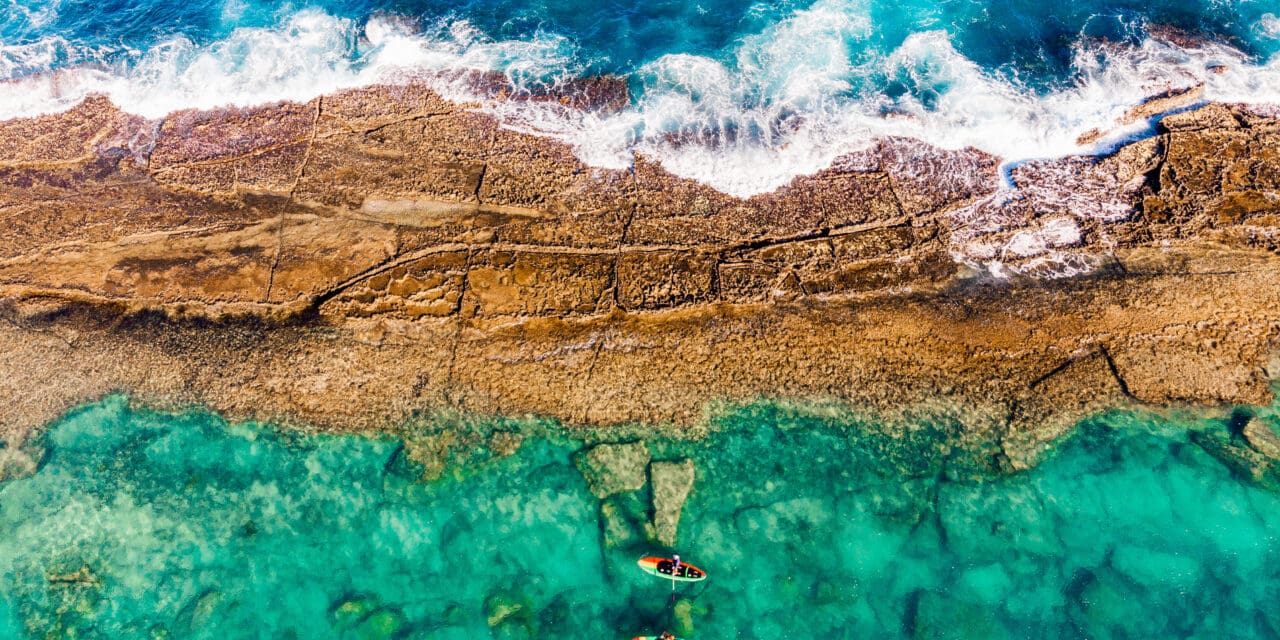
x: 368, y: 256
x: 616, y: 474
x: 672, y: 482
x: 613, y: 468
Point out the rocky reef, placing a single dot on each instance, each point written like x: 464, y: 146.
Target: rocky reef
x: 374, y: 254
x: 802, y: 522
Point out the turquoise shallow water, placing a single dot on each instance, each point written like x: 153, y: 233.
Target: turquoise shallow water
x: 810, y: 528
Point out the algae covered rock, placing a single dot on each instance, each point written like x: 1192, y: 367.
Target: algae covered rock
x: 382, y: 623
x: 672, y: 482
x: 365, y: 618
x: 510, y: 615
x: 504, y: 608
x: 350, y: 611
x: 613, y: 468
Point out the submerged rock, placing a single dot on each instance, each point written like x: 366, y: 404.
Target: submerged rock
x: 366, y: 618
x: 1241, y: 459
x: 82, y: 577
x: 504, y: 443
x: 1262, y: 438
x: 1016, y: 518
x: 433, y: 453
x: 987, y: 584
x: 672, y: 482
x: 15, y: 463
x: 683, y: 614
x: 612, y: 468
x: 382, y: 624
x: 934, y: 615
x: 1151, y: 567
x: 350, y: 611
x: 200, y: 611
x: 622, y: 518
x: 510, y: 614
x: 458, y: 453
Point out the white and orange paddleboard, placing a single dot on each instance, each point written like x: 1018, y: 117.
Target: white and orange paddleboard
x: 661, y: 568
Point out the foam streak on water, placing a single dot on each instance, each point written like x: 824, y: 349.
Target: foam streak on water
x: 154, y: 525
x: 741, y: 96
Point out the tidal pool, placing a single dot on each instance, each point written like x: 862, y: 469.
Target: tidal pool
x: 143, y: 524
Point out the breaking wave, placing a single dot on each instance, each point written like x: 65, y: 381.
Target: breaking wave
x: 779, y: 101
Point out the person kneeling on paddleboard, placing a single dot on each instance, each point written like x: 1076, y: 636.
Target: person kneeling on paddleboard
x: 666, y: 635
x: 675, y: 564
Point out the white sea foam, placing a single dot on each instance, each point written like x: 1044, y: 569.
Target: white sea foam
x: 310, y: 54
x: 1051, y: 234
x: 1269, y: 25
x: 33, y: 13
x: 978, y: 109
x: 1058, y: 265
x: 783, y: 102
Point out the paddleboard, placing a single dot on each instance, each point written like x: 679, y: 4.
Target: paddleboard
x: 661, y: 567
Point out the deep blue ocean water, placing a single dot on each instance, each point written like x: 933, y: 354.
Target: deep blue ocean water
x: 767, y: 89
x: 1032, y: 41
x: 152, y: 525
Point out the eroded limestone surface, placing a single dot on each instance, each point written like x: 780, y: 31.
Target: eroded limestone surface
x: 372, y: 254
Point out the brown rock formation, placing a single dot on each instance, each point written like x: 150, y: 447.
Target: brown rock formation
x: 1176, y: 98
x: 353, y: 260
